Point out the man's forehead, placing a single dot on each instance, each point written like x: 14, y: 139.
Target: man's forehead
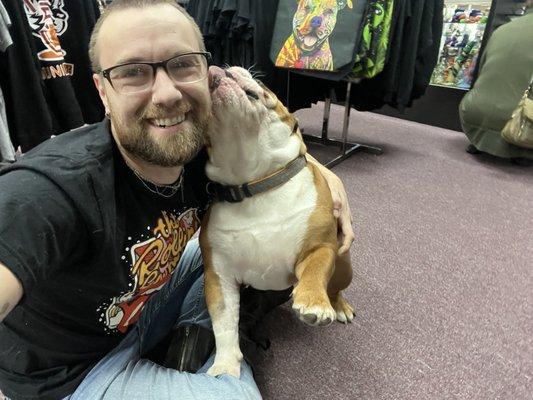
x: 144, y: 33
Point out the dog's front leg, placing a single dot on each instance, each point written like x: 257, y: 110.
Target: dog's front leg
x: 310, y: 298
x: 222, y: 297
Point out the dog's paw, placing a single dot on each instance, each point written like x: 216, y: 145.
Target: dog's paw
x: 227, y: 361
x: 313, y: 308
x: 345, y: 312
x: 233, y: 368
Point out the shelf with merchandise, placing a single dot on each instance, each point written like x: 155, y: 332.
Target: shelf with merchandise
x: 462, y: 33
x: 469, y: 12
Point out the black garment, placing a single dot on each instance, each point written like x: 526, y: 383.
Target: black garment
x: 30, y: 120
x: 237, y: 32
x: 428, y: 47
x: 415, y: 37
x: 45, y: 74
x: 262, y: 21
x: 89, y: 242
x: 83, y: 15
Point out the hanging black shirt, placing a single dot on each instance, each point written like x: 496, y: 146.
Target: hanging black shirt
x: 82, y: 16
x: 45, y: 74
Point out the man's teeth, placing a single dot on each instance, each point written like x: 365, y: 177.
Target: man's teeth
x: 164, y: 122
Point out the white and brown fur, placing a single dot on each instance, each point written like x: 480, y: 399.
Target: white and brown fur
x: 282, y: 237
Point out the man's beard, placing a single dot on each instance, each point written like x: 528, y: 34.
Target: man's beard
x: 176, y: 149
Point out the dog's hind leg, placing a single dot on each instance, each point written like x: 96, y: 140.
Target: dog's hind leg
x: 310, y: 297
x: 340, y: 280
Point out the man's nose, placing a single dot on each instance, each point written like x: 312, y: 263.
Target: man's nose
x: 165, y: 92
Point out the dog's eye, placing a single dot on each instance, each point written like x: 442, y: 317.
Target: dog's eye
x: 251, y: 95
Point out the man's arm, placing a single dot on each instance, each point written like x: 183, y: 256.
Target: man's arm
x: 341, y: 207
x: 10, y: 291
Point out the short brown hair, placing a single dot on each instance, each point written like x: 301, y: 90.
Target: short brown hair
x: 118, y: 5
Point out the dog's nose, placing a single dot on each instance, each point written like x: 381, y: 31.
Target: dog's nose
x: 214, y: 82
x: 215, y: 76
x: 316, y: 22
x: 229, y: 74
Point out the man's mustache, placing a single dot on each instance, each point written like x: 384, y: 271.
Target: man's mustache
x: 160, y: 112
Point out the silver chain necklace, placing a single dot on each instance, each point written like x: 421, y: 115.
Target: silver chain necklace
x: 166, y: 191
x: 161, y: 190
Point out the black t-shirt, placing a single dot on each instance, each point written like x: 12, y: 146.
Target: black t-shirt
x: 90, y: 244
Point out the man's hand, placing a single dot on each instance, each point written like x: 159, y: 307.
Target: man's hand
x: 10, y: 291
x: 341, y: 208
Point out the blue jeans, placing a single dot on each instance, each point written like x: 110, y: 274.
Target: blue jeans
x: 124, y: 374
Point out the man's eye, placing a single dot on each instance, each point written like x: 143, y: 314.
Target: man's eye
x: 184, y: 63
x: 134, y: 71
x: 129, y: 71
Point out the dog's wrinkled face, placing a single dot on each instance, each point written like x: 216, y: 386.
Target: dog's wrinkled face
x: 238, y: 99
x: 314, y: 21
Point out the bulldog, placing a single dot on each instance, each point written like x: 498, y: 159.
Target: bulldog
x: 272, y: 226
x: 308, y: 45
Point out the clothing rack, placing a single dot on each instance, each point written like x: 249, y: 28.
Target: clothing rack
x: 346, y: 148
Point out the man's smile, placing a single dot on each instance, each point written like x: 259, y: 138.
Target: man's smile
x: 167, y: 122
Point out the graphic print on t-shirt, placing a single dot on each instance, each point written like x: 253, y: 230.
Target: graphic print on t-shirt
x: 151, y: 262
x: 48, y: 20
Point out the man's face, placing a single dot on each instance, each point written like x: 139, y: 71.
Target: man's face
x: 148, y: 35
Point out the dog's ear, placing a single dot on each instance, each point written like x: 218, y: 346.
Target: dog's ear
x: 269, y: 99
x: 344, y: 3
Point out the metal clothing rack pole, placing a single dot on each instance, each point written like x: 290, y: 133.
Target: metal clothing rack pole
x: 347, y: 148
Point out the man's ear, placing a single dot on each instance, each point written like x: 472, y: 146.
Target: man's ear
x: 99, y: 82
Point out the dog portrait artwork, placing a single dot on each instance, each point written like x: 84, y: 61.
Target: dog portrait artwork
x: 308, y: 47
x: 271, y: 225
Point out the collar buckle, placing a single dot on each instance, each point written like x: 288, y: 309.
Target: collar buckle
x: 233, y: 194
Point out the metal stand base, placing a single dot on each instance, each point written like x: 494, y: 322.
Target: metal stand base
x: 347, y: 148
x: 352, y: 148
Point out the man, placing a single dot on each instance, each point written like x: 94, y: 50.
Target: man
x: 97, y: 260
x: 504, y: 74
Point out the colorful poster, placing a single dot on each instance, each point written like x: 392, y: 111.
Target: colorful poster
x: 315, y: 34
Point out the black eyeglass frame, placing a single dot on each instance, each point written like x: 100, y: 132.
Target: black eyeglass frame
x: 155, y: 65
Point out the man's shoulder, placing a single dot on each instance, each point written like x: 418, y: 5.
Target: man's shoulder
x: 79, y: 150
x: 515, y: 29
x: 77, y: 164
x: 88, y: 141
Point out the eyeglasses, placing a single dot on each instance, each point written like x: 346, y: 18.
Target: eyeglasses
x: 136, y: 77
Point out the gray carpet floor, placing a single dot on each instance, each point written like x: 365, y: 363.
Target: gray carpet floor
x: 443, y: 283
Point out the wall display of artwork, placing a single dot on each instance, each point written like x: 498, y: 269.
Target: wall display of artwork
x: 462, y: 34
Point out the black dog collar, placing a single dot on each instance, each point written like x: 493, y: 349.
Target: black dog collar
x: 237, y: 193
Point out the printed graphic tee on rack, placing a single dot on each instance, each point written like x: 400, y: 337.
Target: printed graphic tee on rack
x: 45, y: 74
